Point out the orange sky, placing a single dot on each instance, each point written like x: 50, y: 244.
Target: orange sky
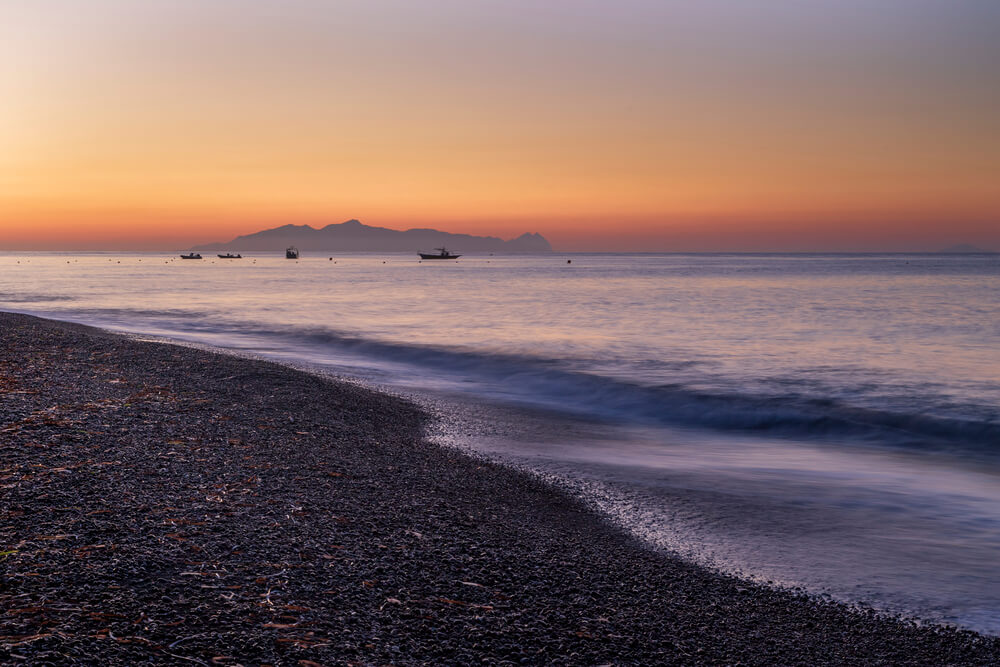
x: 635, y: 125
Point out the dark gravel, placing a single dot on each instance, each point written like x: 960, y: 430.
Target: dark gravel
x: 159, y: 504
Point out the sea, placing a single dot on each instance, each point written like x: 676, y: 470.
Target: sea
x: 825, y: 422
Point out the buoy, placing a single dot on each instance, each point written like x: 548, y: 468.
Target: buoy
x: 569, y: 261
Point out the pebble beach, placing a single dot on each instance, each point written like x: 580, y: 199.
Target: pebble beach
x: 162, y: 504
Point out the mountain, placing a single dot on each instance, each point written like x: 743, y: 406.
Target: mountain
x: 354, y: 236
x: 965, y: 248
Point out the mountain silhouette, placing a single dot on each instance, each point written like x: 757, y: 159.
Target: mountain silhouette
x: 355, y: 236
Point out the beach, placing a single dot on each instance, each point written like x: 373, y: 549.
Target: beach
x: 162, y: 504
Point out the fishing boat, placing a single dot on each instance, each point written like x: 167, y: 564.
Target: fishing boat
x: 442, y: 253
x: 230, y: 255
x: 193, y: 255
x: 291, y: 252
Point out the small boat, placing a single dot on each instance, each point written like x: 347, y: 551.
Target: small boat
x: 292, y: 252
x: 193, y: 255
x: 230, y: 255
x: 442, y: 253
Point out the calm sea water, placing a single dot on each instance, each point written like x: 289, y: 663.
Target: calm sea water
x: 825, y: 421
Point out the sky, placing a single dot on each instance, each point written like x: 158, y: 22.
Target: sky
x: 626, y: 125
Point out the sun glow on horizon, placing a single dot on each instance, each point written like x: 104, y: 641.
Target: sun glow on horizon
x: 657, y: 125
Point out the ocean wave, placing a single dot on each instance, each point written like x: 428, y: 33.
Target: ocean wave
x: 33, y: 298
x: 568, y: 385
x: 571, y: 386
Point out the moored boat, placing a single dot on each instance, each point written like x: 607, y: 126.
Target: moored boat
x: 291, y: 252
x: 442, y: 253
x: 230, y: 255
x: 193, y: 255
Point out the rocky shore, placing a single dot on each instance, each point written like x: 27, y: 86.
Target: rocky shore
x: 165, y: 505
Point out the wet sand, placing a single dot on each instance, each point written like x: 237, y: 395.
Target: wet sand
x: 165, y: 505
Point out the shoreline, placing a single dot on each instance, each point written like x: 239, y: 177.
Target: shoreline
x: 164, y: 503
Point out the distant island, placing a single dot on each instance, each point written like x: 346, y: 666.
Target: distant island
x: 355, y: 236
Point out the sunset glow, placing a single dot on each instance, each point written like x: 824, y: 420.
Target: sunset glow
x: 631, y: 126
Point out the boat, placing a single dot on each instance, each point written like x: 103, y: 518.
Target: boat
x: 442, y: 253
x: 291, y: 252
x: 230, y: 255
x: 193, y: 255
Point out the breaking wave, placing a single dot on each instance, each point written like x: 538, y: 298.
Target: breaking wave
x: 571, y: 385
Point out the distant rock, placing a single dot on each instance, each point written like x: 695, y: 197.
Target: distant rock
x: 355, y: 236
x: 965, y: 248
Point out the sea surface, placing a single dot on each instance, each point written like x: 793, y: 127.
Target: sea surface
x: 830, y: 422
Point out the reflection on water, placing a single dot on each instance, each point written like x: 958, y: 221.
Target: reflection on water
x: 825, y: 420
